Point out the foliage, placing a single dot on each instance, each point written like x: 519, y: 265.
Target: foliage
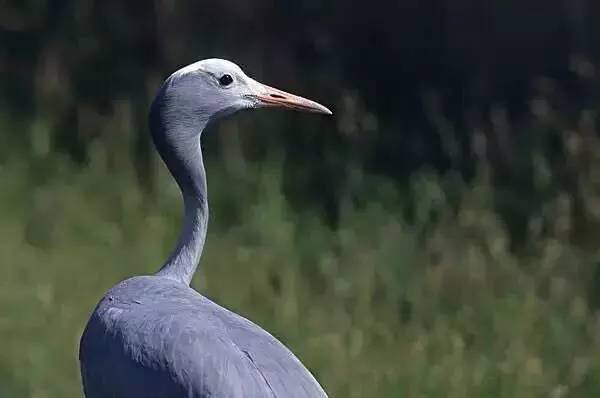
x: 402, y: 297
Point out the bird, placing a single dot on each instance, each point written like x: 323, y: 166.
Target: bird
x: 153, y: 336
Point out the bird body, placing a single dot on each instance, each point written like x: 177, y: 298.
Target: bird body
x: 156, y: 337
x: 187, y: 346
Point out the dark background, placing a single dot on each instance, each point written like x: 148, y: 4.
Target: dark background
x: 396, y: 57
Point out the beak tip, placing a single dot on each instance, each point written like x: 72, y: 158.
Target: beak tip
x: 324, y: 110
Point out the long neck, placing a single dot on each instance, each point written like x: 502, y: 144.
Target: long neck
x: 177, y: 139
x: 183, y: 261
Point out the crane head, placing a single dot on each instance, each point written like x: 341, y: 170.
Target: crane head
x: 216, y: 87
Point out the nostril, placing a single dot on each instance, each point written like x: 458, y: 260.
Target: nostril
x: 276, y: 96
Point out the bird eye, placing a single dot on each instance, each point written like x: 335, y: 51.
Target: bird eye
x: 225, y: 80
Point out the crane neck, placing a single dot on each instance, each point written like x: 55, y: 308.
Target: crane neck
x: 183, y: 261
x: 176, y: 136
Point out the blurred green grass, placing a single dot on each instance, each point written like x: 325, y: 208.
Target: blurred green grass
x: 432, y: 304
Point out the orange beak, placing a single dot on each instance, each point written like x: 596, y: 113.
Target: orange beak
x: 272, y: 97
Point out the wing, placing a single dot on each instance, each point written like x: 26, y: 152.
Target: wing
x: 285, y: 374
x: 153, y: 339
x: 167, y: 349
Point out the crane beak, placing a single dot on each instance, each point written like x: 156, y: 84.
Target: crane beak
x: 272, y: 97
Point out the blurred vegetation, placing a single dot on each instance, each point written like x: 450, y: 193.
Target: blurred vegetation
x: 438, y: 238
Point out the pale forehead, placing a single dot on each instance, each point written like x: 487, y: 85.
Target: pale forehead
x: 213, y: 65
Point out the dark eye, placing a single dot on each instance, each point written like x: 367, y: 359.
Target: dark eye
x: 225, y: 80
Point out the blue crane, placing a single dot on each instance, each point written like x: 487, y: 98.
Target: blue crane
x: 154, y: 336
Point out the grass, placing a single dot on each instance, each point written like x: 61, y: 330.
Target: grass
x: 434, y: 303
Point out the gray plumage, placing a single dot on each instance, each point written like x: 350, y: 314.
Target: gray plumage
x: 154, y: 336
